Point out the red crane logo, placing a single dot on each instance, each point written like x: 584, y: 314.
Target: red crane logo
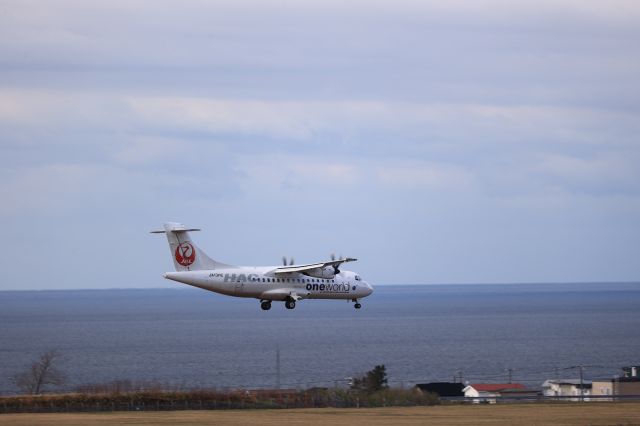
x: 185, y: 254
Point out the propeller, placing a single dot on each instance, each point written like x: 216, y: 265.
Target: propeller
x: 336, y: 269
x: 284, y: 261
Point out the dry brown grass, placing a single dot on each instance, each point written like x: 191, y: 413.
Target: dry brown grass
x: 530, y: 414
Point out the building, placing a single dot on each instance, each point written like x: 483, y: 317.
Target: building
x: 629, y: 372
x: 626, y: 385
x: 602, y: 388
x: 567, y: 387
x: 488, y: 392
x: 442, y: 389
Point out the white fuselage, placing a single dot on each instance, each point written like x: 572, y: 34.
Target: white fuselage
x: 262, y: 283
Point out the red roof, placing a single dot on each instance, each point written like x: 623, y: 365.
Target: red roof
x: 496, y: 387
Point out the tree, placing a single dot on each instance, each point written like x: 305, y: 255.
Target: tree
x: 41, y: 373
x: 375, y: 380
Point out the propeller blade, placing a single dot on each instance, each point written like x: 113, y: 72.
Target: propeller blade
x: 333, y: 256
x: 284, y: 260
x: 291, y: 262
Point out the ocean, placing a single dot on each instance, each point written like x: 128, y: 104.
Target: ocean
x: 190, y: 338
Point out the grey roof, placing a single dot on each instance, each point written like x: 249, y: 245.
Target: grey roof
x: 568, y: 381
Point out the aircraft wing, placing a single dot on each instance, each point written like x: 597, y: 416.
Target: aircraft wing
x: 302, y: 268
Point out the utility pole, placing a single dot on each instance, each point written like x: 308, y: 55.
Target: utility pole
x: 581, y: 384
x: 510, y: 371
x: 277, y: 366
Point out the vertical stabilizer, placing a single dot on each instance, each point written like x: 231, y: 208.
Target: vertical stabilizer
x: 185, y: 254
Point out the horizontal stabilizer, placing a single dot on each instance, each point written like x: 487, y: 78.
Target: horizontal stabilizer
x: 176, y: 230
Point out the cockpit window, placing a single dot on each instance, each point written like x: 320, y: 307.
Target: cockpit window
x: 358, y: 278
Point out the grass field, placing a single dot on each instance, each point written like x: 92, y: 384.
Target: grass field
x: 529, y: 414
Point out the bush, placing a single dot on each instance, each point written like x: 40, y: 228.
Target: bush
x: 215, y: 400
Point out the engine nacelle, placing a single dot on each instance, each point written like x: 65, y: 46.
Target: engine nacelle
x: 326, y: 273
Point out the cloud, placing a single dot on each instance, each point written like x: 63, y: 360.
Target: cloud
x: 149, y: 150
x: 493, y: 148
x: 608, y: 174
x: 425, y: 176
x: 274, y: 119
x: 52, y: 187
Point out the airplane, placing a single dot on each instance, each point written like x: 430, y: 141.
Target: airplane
x: 288, y: 283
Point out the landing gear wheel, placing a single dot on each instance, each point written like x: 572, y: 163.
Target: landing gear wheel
x: 357, y: 306
x: 290, y: 304
x: 265, y: 305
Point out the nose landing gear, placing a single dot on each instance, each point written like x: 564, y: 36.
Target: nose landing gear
x: 265, y: 305
x: 357, y: 304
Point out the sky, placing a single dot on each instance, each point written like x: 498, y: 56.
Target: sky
x: 438, y: 142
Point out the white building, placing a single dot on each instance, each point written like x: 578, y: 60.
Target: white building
x: 488, y: 392
x: 567, y: 387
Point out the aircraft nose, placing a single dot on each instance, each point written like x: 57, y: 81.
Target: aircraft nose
x: 368, y: 289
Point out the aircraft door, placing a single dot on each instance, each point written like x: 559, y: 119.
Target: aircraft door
x: 239, y: 285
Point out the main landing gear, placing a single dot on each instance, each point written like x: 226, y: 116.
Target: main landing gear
x: 266, y: 304
x: 357, y: 304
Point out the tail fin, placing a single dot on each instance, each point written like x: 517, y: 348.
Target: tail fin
x: 186, y: 255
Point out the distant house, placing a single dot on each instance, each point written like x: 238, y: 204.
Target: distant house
x: 626, y: 385
x: 629, y: 372
x: 488, y: 392
x: 446, y: 389
x: 629, y: 383
x: 602, y: 388
x: 567, y: 387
